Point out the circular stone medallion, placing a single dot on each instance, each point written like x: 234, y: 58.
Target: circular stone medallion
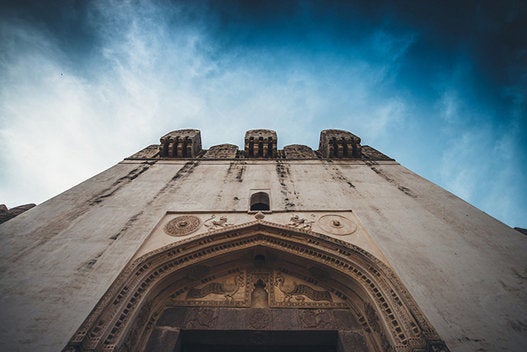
x: 182, y: 225
x: 337, y: 225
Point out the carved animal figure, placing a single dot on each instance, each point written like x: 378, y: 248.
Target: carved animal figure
x: 302, y: 223
x: 212, y: 224
x: 228, y: 290
x: 297, y: 291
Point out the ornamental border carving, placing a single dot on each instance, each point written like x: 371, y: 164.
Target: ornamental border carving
x: 104, y: 327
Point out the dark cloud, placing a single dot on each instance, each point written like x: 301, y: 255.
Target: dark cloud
x: 66, y: 23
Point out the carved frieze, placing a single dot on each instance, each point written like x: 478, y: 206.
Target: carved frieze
x: 259, y: 319
x: 315, y: 319
x: 227, y: 288
x: 225, y: 291
x: 201, y: 318
x: 299, y: 292
x: 257, y: 289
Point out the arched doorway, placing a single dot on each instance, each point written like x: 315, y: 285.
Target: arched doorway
x: 257, y: 286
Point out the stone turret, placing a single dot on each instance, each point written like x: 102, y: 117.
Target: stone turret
x: 260, y: 144
x: 339, y: 144
x: 180, y: 144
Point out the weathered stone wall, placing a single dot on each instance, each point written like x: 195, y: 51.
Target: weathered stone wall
x: 465, y: 269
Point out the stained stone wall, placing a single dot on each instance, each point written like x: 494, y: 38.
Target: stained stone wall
x: 465, y: 269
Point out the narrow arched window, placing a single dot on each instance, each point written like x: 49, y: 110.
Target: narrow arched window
x: 260, y: 201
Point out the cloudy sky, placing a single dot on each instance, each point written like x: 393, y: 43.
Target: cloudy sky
x: 438, y: 85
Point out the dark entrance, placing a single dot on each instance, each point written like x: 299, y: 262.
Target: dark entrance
x: 258, y: 341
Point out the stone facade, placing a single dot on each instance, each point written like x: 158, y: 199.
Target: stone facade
x: 177, y: 248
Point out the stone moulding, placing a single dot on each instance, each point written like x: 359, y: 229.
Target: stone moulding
x: 129, y: 299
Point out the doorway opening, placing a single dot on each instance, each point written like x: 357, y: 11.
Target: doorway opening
x: 257, y: 341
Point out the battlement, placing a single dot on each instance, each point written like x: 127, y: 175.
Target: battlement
x: 339, y: 144
x: 260, y: 144
x: 180, y: 144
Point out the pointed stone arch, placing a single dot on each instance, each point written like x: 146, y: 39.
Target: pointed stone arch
x: 335, y: 276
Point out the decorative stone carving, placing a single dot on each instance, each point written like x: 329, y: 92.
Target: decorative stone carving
x: 373, y: 319
x: 213, y: 224
x: 180, y: 144
x: 227, y: 288
x: 298, y: 292
x: 259, y: 215
x: 298, y: 151
x: 337, y: 225
x: 227, y: 291
x: 354, y: 341
x: 260, y: 144
x: 259, y: 318
x: 339, y: 144
x: 314, y: 318
x: 397, y: 316
x: 182, y: 225
x: 222, y: 151
x: 201, y: 318
x: 300, y: 223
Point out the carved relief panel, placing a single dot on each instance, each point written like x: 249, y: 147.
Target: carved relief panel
x: 180, y: 226
x: 257, y: 289
x: 229, y: 291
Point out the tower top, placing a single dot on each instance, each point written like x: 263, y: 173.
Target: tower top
x: 260, y: 144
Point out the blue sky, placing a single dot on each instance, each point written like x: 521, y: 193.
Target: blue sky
x: 438, y: 85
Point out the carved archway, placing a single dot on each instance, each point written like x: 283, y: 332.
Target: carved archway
x: 266, y: 273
